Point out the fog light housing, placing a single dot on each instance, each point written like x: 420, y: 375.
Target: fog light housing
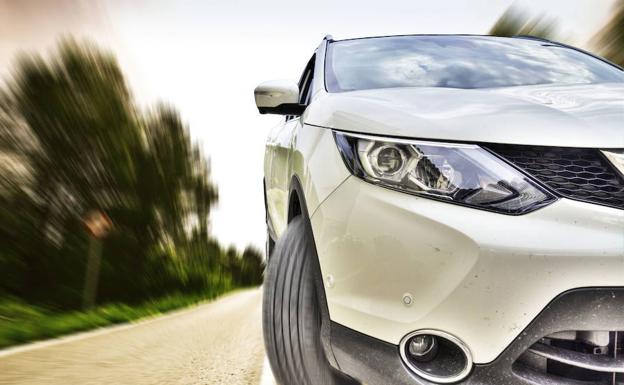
x: 423, y: 347
x: 436, y: 356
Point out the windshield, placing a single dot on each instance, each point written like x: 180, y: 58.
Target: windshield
x: 459, y: 62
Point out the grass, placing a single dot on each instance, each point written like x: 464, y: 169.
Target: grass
x: 21, y: 322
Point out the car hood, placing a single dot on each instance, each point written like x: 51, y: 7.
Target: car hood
x: 546, y: 115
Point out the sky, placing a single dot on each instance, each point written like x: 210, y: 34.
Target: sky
x: 206, y: 57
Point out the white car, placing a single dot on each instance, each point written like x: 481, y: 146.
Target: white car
x: 446, y: 209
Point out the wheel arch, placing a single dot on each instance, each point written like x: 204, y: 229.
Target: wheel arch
x: 271, y: 237
x: 296, y: 200
x: 297, y: 207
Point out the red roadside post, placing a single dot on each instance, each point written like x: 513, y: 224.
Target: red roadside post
x: 98, y: 225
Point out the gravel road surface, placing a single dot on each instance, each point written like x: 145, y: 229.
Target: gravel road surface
x: 215, y: 343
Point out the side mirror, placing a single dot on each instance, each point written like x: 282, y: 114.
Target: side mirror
x: 279, y: 97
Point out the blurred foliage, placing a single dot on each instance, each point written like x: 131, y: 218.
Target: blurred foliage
x: 23, y: 322
x: 609, y: 41
x: 72, y: 140
x: 517, y: 22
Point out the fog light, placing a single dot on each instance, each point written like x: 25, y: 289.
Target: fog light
x: 436, y: 356
x: 423, y: 347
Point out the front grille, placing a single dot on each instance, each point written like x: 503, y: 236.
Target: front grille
x: 575, y: 173
x: 575, y: 357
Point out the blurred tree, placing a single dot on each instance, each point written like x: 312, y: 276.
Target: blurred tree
x: 233, y: 263
x: 609, y: 41
x: 517, y: 22
x: 77, y: 109
x: 72, y: 141
x: 252, y: 266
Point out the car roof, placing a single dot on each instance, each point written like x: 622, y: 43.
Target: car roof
x: 441, y: 35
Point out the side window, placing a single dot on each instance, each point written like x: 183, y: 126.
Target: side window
x: 305, y: 84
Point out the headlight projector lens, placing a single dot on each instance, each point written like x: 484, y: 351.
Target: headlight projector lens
x: 388, y: 160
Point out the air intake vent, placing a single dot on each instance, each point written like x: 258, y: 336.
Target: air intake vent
x: 592, y: 357
x: 575, y: 173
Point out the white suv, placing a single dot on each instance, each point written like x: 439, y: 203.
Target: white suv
x: 446, y: 209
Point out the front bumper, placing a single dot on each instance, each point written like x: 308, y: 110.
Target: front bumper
x: 376, y: 362
x: 480, y: 276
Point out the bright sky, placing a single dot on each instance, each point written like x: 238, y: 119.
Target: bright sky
x: 206, y: 57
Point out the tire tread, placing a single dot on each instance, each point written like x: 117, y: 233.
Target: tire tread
x: 291, y: 315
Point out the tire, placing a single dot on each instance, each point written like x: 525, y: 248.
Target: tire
x: 292, y: 312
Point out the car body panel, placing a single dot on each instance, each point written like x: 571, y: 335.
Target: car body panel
x: 308, y: 153
x: 277, y: 172
x: 545, y: 115
x: 478, y: 275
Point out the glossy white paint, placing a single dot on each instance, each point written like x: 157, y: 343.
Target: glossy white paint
x: 547, y: 115
x: 277, y: 172
x: 311, y: 154
x: 274, y: 93
x: 478, y: 275
x: 616, y: 159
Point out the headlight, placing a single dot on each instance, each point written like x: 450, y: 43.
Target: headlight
x: 458, y: 173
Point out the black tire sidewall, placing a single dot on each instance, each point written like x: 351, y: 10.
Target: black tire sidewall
x: 292, y: 311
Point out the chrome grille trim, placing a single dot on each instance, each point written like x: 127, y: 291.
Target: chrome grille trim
x: 579, y: 360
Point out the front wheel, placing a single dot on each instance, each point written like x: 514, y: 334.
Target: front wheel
x: 292, y: 312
